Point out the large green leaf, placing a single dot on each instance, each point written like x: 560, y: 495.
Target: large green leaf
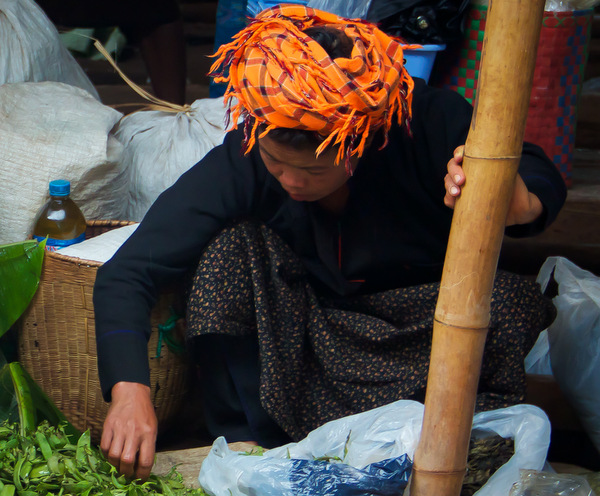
x: 23, y: 401
x: 20, y: 270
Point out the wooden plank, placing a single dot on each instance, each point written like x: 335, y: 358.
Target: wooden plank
x: 188, y: 461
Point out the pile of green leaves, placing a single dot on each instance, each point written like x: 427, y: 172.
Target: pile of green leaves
x: 45, y: 462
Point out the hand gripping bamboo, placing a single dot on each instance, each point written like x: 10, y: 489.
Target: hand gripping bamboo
x: 492, y: 154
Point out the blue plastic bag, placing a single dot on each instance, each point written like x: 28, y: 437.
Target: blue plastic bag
x: 225, y: 473
x: 386, y: 478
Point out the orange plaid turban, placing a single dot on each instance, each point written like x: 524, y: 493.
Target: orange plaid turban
x: 283, y: 78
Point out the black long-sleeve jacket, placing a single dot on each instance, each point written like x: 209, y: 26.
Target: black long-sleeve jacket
x: 393, y: 232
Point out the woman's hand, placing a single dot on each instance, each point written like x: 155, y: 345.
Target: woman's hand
x: 455, y: 178
x: 524, y: 206
x: 129, y: 434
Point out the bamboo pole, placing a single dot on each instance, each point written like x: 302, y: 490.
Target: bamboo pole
x: 492, y: 154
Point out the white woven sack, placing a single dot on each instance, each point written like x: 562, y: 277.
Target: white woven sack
x: 56, y: 131
x: 31, y: 49
x: 160, y: 146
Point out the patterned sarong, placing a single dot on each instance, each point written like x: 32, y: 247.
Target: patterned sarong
x: 322, y: 359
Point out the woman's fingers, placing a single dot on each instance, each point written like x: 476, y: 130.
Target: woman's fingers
x: 455, y: 177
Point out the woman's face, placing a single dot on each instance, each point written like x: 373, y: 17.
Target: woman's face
x: 304, y: 176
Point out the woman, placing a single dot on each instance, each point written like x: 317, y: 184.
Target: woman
x: 318, y: 230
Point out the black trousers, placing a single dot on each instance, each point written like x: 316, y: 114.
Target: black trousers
x: 230, y: 374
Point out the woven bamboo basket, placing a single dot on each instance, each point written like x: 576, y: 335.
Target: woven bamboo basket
x: 57, y: 343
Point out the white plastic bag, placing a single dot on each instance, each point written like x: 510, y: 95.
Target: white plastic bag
x: 529, y: 426
x: 56, y: 131
x: 535, y: 483
x: 31, y: 50
x: 160, y: 146
x: 537, y: 360
x: 345, y: 8
x: 574, y: 339
x: 570, y: 5
x: 365, y: 438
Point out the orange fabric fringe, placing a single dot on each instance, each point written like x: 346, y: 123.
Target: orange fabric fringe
x: 283, y: 78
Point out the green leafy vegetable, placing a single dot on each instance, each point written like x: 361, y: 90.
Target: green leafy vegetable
x: 20, y: 270
x: 45, y: 461
x: 23, y: 401
x: 256, y: 451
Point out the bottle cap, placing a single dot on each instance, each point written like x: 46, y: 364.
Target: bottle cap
x: 60, y: 187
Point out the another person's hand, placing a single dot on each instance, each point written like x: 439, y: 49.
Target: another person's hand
x: 524, y: 206
x: 129, y: 434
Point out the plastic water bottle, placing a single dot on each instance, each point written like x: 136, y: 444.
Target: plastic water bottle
x: 60, y: 218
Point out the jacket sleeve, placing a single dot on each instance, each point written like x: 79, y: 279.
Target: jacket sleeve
x: 447, y: 116
x: 543, y: 179
x: 165, y: 246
